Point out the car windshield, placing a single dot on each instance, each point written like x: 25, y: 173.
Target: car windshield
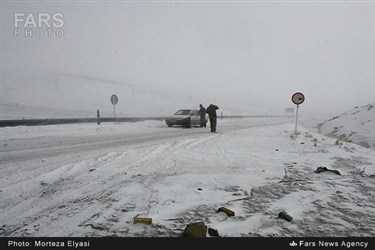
x: 183, y: 112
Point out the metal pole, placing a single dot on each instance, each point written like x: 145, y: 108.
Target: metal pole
x: 296, y: 119
x: 114, y: 113
x: 97, y: 114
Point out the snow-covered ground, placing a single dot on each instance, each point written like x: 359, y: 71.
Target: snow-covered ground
x: 356, y: 125
x: 92, y: 180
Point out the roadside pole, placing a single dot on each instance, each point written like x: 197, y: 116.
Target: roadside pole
x: 297, y: 98
x: 114, y: 101
x: 295, y: 130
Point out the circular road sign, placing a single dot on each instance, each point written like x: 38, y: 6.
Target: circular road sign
x: 298, y: 98
x: 114, y: 99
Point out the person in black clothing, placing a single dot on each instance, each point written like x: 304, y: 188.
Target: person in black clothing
x: 211, y: 111
x: 202, y: 114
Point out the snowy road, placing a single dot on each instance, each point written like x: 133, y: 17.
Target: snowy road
x: 21, y: 149
x: 85, y: 180
x: 35, y: 148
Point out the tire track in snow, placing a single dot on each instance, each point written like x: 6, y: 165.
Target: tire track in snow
x: 157, y: 163
x: 53, y: 185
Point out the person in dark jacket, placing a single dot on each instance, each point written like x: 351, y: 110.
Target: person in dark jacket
x: 211, y: 111
x: 202, y: 114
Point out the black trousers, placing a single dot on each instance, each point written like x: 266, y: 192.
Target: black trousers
x: 213, y: 122
x: 203, y: 121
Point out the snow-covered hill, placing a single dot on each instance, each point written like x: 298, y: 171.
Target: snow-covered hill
x: 356, y: 125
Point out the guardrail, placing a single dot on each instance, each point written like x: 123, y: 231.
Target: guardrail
x: 39, y: 122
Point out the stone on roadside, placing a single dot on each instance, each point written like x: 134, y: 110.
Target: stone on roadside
x: 226, y: 210
x: 284, y: 215
x: 213, y: 232
x: 196, y: 229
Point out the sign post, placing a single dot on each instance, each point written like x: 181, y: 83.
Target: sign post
x: 114, y: 101
x: 297, y: 98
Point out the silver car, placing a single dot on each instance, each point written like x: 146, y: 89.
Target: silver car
x: 185, y: 118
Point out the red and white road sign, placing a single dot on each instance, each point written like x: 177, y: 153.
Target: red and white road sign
x: 298, y: 98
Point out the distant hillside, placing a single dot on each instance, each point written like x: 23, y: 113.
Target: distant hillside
x: 356, y: 125
x: 53, y: 95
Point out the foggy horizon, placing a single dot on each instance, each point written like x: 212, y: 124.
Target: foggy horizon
x: 248, y: 58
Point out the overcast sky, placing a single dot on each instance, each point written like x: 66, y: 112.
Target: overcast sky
x: 244, y: 56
